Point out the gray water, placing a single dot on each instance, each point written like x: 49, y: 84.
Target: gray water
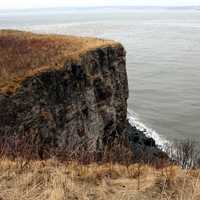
x: 163, y: 58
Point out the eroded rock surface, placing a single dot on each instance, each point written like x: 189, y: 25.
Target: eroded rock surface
x: 79, y: 101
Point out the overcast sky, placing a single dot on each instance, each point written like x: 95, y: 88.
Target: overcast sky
x: 21, y: 4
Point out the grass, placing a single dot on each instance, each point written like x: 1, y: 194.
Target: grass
x: 25, y: 54
x: 23, y: 175
x: 53, y: 180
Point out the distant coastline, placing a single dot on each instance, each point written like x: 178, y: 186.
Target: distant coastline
x: 92, y: 8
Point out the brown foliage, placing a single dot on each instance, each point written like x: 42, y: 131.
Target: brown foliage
x: 24, y: 54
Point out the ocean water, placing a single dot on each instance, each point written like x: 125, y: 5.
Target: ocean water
x: 163, y: 60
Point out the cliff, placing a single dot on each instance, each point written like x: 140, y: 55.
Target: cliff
x: 62, y: 92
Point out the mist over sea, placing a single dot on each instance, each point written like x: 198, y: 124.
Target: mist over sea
x: 163, y: 57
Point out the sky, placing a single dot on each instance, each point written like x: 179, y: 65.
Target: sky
x: 23, y: 4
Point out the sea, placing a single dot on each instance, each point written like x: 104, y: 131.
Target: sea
x: 163, y: 59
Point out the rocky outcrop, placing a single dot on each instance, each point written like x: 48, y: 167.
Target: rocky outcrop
x: 62, y: 92
x: 67, y: 94
x: 144, y: 148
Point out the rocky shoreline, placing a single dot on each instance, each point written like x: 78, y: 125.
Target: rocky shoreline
x: 144, y: 148
x: 66, y: 94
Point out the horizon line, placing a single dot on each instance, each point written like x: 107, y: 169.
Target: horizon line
x: 101, y: 6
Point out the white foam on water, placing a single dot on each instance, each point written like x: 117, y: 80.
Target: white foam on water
x: 161, y: 142
x: 134, y: 121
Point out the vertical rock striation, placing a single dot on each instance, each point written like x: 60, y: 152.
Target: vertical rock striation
x: 73, y: 99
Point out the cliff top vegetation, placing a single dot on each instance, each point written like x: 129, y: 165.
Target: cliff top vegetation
x: 23, y: 54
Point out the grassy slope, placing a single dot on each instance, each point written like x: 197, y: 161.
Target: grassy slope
x: 24, y: 54
x: 51, y: 180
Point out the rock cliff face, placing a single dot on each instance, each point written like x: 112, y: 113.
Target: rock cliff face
x: 62, y: 92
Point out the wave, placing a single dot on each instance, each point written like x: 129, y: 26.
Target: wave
x: 170, y: 148
x: 134, y: 121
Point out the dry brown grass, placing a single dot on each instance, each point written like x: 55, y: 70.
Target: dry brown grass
x: 23, y: 54
x: 52, y: 180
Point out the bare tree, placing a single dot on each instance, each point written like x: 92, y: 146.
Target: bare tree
x: 186, y: 153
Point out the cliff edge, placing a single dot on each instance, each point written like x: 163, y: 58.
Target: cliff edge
x: 62, y: 92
